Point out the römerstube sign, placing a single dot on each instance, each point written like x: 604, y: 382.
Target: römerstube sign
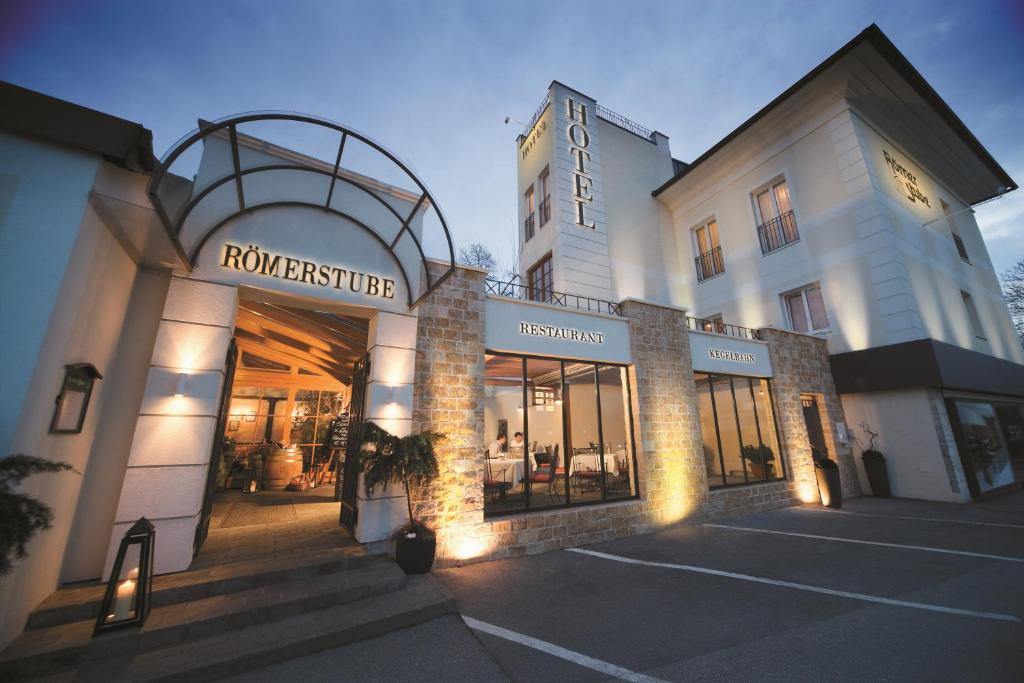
x: 257, y: 261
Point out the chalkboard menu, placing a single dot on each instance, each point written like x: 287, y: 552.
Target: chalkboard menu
x: 338, y: 433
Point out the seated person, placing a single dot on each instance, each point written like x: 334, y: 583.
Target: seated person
x: 497, y: 447
x: 517, y: 441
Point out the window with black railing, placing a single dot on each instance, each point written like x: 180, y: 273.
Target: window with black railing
x: 709, y: 264
x: 778, y: 232
x: 529, y: 224
x: 545, y: 211
x: 715, y: 325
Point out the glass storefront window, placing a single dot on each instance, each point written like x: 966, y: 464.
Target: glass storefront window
x: 740, y: 439
x: 504, y: 474
x: 615, y: 431
x: 577, y: 433
x: 991, y: 443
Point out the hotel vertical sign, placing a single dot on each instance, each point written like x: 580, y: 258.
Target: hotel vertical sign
x: 579, y: 141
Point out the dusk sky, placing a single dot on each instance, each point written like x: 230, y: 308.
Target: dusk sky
x: 434, y: 81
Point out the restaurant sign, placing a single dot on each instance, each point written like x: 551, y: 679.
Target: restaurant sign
x: 254, y: 260
x: 554, y: 332
x: 906, y: 181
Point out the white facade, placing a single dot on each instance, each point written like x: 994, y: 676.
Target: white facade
x: 879, y: 176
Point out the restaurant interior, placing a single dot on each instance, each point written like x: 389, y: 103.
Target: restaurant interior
x: 557, y: 433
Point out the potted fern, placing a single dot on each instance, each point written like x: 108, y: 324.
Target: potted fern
x: 385, y: 458
x: 760, y: 461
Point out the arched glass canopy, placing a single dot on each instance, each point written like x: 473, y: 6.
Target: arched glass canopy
x: 247, y: 172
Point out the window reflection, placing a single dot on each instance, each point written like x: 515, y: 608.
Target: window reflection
x: 549, y: 400
x: 738, y: 431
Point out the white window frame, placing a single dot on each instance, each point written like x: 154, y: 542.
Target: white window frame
x: 770, y: 186
x: 802, y: 291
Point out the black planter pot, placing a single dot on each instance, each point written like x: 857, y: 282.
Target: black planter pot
x: 829, y: 486
x: 415, y: 555
x: 878, y: 477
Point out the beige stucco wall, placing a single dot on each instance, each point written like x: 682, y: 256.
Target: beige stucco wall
x: 919, y: 462
x: 84, y: 325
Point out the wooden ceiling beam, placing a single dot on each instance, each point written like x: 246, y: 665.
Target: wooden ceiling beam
x: 261, y: 346
x: 288, y: 335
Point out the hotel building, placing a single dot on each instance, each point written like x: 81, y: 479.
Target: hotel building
x: 681, y: 338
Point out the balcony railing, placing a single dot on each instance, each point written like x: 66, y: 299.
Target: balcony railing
x: 624, y: 123
x: 778, y: 232
x: 960, y: 248
x: 516, y: 290
x: 529, y: 226
x: 709, y: 264
x: 716, y: 326
x: 545, y: 210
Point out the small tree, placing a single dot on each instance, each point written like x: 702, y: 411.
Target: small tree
x: 1013, y: 290
x: 479, y: 256
x: 21, y: 516
x: 386, y: 458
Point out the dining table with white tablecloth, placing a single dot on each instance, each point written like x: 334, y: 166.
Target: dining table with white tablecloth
x: 590, y: 461
x: 510, y: 470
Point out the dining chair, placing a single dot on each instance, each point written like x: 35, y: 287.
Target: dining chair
x: 495, y: 486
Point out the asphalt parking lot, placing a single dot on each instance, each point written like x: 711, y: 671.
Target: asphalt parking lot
x: 883, y: 589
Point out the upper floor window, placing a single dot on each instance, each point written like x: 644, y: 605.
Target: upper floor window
x: 972, y: 315
x: 540, y: 280
x: 806, y: 309
x: 545, y: 196
x: 713, y: 323
x: 529, y: 213
x: 776, y: 224
x: 709, y: 254
x: 954, y: 231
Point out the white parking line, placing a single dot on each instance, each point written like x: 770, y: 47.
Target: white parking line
x: 569, y: 655
x: 864, y: 597
x: 925, y: 548
x: 921, y: 519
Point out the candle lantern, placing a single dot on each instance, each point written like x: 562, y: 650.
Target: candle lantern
x: 126, y: 601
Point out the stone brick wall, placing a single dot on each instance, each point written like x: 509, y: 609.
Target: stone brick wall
x: 449, y: 395
x: 801, y: 366
x: 670, y: 455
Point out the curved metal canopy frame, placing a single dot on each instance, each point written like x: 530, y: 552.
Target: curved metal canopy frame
x: 174, y: 225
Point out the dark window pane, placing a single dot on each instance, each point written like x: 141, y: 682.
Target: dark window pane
x: 816, y: 306
x: 504, y: 473
x: 618, y: 448
x: 753, y: 453
x: 797, y: 315
x: 585, y: 463
x: 727, y: 429
x: 544, y: 427
x: 766, y: 421
x: 709, y: 436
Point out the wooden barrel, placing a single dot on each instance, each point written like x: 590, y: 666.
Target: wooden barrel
x: 283, y: 465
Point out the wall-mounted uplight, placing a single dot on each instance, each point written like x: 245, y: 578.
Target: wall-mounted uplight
x: 392, y: 395
x: 182, y: 385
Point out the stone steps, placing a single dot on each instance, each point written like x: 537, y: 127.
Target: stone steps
x: 82, y: 603
x: 253, y: 647
x: 299, y: 595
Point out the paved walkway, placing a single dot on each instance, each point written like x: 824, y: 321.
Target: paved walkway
x: 271, y: 523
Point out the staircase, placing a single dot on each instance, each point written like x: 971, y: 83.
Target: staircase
x: 226, y: 619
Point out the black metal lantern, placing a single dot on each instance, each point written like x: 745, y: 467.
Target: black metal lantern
x: 73, y: 399
x: 126, y: 602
